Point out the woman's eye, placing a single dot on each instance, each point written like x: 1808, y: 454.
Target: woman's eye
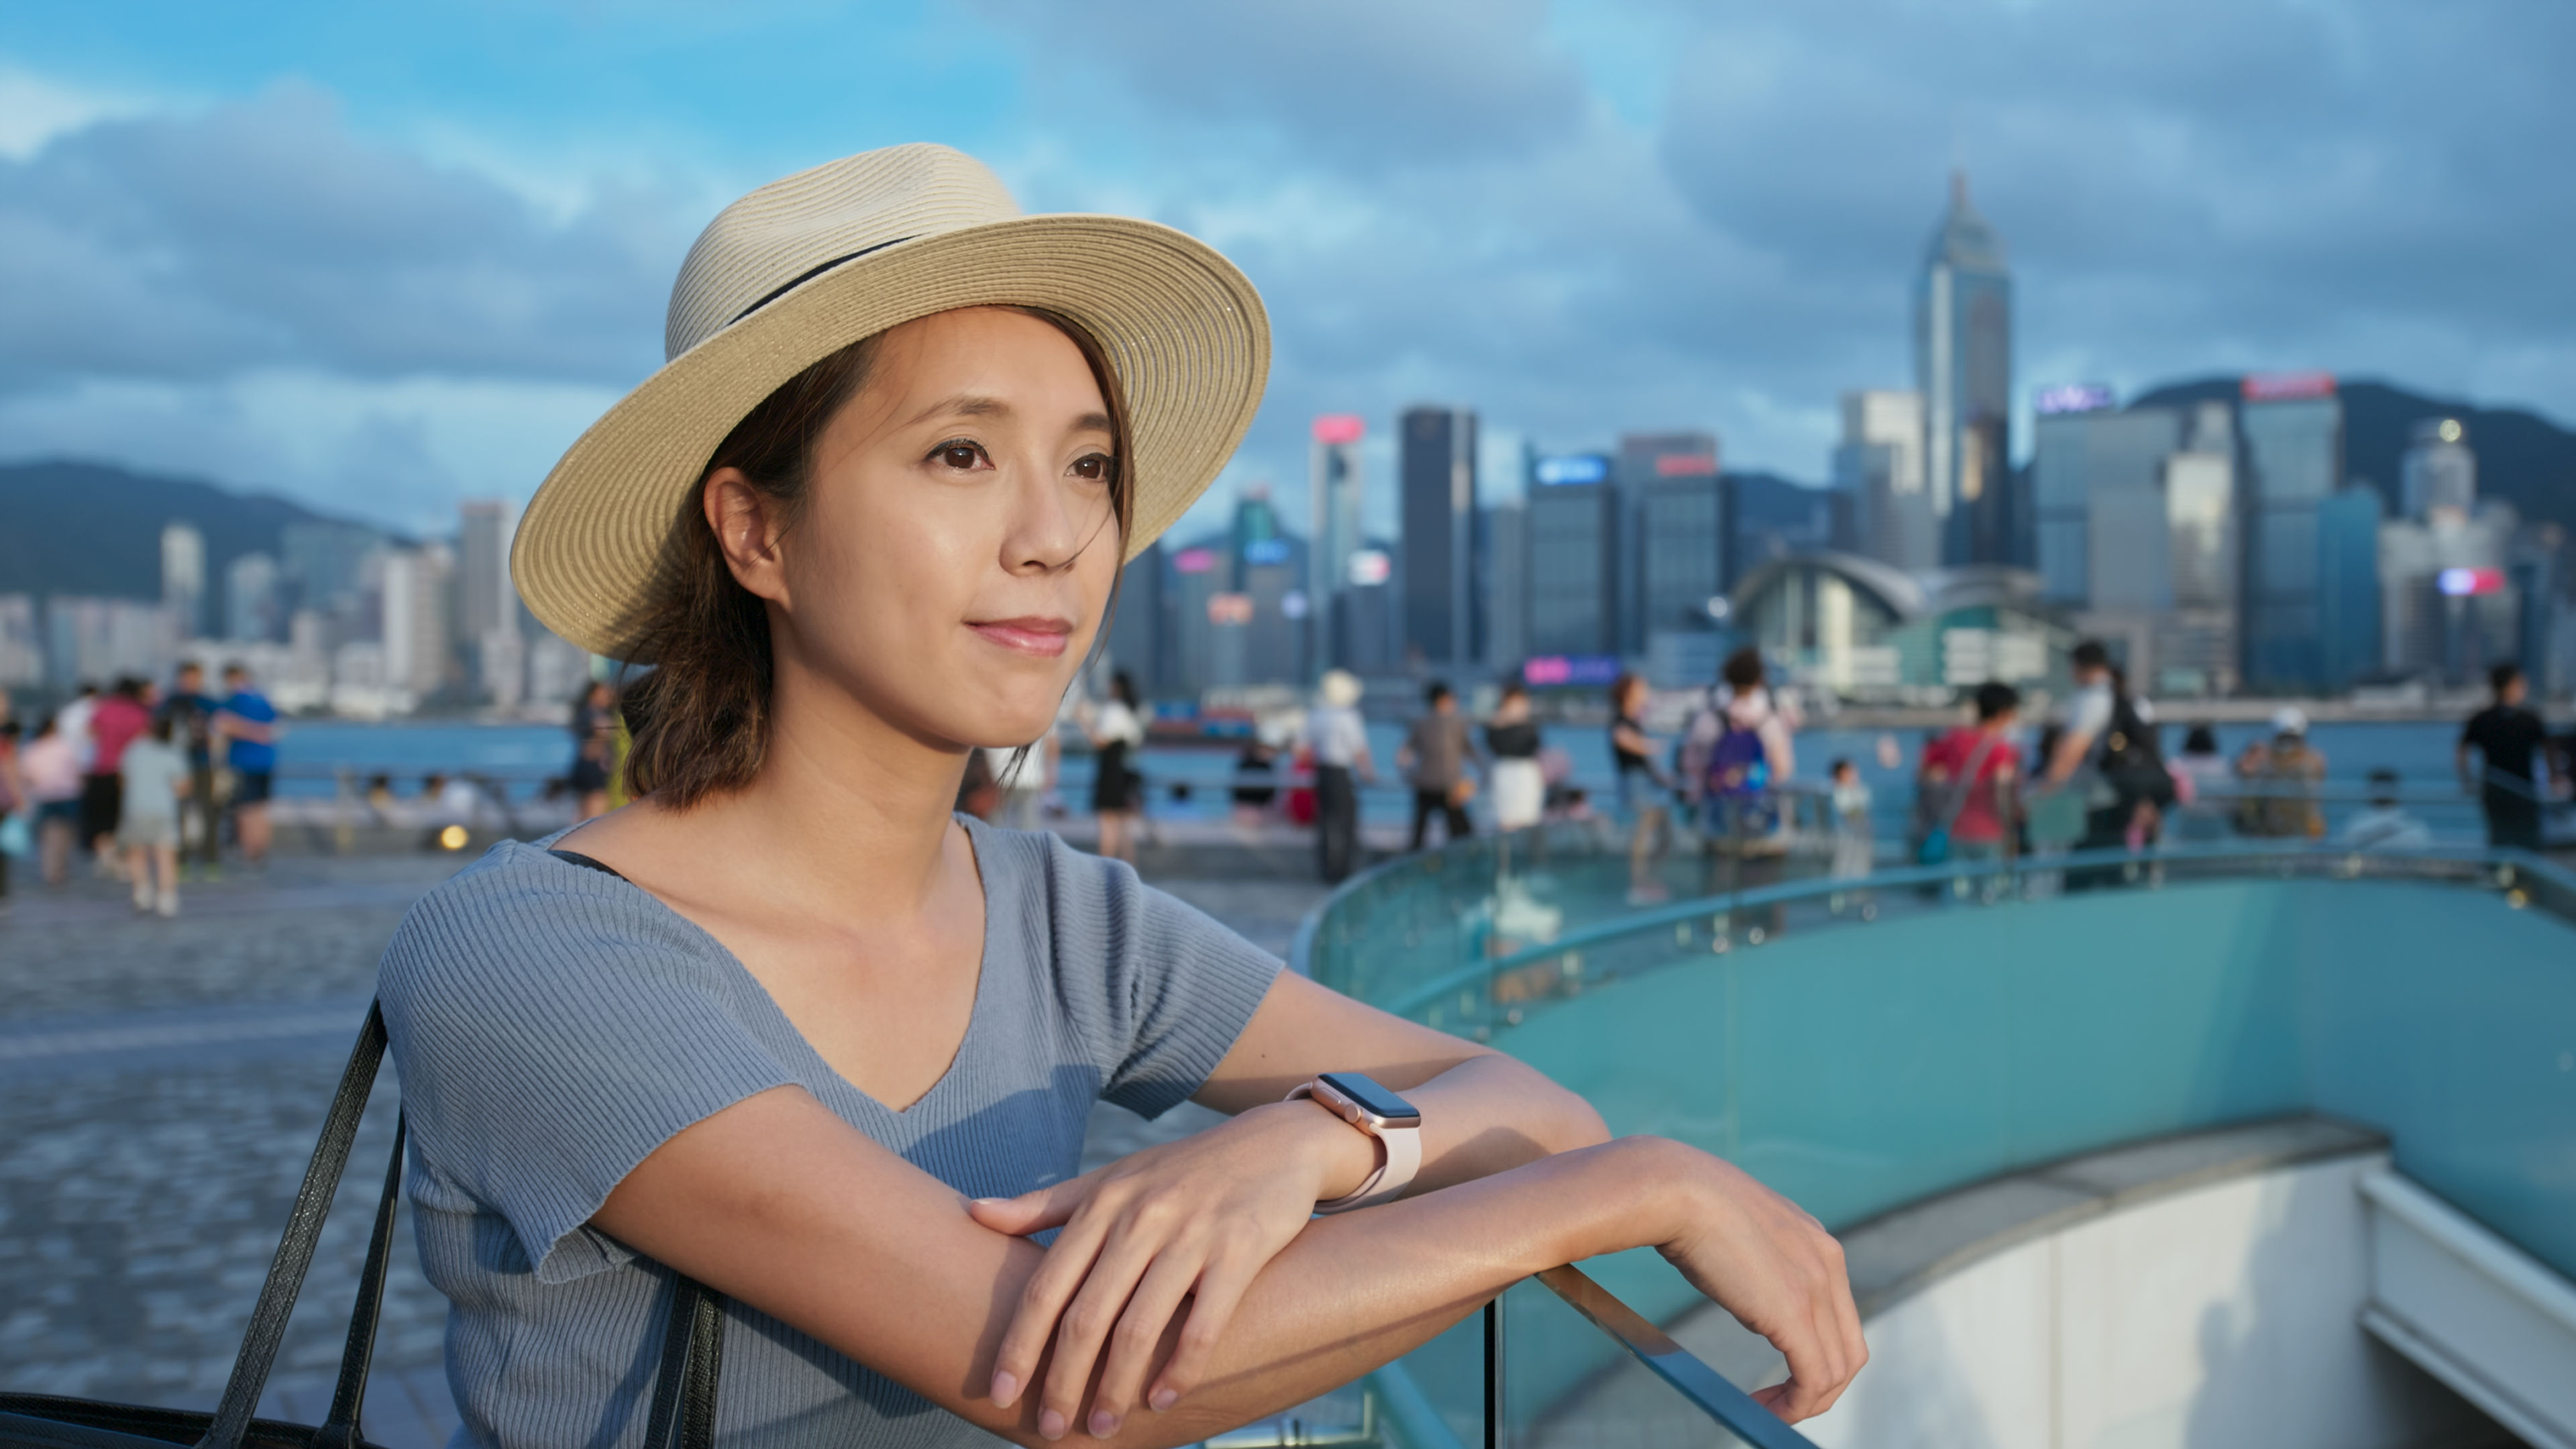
x: 960, y: 456
x: 1095, y: 467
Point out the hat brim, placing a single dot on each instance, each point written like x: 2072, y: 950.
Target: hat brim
x: 1181, y: 328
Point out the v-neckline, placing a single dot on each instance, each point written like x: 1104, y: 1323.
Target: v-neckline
x: 815, y: 1058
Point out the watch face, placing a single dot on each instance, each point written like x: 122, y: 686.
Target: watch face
x: 1379, y: 1103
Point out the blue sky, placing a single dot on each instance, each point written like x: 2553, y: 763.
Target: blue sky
x: 384, y: 257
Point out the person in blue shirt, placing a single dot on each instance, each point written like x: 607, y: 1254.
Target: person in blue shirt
x: 247, y: 723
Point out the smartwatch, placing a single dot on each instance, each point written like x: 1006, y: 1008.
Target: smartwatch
x: 1393, y: 1121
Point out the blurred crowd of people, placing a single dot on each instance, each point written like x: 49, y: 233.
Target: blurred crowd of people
x: 147, y: 781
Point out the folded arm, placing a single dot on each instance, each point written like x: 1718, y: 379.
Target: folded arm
x: 778, y: 1203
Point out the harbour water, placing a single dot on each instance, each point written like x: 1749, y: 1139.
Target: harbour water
x: 314, y: 753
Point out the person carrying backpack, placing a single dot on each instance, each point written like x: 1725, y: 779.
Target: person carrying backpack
x: 1736, y: 753
x: 2108, y: 749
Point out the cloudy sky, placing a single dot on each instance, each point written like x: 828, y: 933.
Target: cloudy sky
x: 384, y: 257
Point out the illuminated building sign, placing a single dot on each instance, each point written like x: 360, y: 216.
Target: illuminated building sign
x: 1266, y: 551
x: 1686, y: 465
x: 1293, y: 603
x: 1340, y: 428
x: 1194, y: 560
x: 2462, y: 583
x: 2283, y: 386
x: 1574, y: 468
x: 1224, y: 609
x: 2073, y: 397
x: 1371, y: 566
x: 1570, y: 670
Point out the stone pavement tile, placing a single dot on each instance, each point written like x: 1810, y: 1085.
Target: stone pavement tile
x: 128, y: 965
x: 138, y: 1215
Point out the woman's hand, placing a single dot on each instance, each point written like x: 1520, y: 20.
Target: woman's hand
x: 1201, y: 1216
x: 1761, y: 1258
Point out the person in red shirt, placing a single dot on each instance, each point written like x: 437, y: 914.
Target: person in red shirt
x: 120, y: 716
x: 1968, y: 774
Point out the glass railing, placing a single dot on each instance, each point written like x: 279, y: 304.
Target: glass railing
x: 1861, y: 1044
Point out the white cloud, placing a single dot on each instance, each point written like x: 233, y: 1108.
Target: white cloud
x: 34, y: 109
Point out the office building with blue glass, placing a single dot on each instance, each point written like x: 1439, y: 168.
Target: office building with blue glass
x: 2291, y: 427
x: 1573, y: 526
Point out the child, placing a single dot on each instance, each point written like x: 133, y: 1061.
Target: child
x: 156, y: 776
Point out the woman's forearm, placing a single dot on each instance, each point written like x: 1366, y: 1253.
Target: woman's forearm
x: 1354, y: 1292
x: 1489, y: 1114
x: 777, y: 1203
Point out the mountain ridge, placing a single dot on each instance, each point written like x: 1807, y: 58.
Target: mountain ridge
x: 2523, y: 458
x: 71, y: 527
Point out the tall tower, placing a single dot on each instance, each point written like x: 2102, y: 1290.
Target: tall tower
x: 1963, y: 368
x: 183, y: 578
x: 1440, y: 584
x: 1334, y: 483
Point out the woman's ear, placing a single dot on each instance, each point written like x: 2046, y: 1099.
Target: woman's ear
x: 748, y: 525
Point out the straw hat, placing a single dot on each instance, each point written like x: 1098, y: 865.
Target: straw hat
x: 1341, y: 688
x: 805, y: 266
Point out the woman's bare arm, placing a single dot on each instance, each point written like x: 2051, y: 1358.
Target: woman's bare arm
x: 1193, y: 1222
x: 778, y: 1203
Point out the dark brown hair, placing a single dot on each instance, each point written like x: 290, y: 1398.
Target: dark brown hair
x: 701, y: 718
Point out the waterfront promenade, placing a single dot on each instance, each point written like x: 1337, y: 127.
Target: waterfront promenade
x: 161, y: 1083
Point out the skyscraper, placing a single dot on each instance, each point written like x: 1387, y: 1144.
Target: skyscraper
x: 183, y: 578
x: 417, y: 594
x: 485, y: 599
x: 1438, y: 463
x: 2097, y: 483
x: 1573, y: 557
x: 1140, y: 632
x: 1505, y: 539
x: 1963, y: 368
x: 251, y: 604
x: 1677, y: 536
x: 2348, y: 608
x: 1880, y: 464
x: 1335, y: 484
x: 2196, y: 649
x: 2293, y: 430
x: 487, y: 605
x: 2439, y: 470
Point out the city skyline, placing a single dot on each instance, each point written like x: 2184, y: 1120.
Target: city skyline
x: 1514, y: 215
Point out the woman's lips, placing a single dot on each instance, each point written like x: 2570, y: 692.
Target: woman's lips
x: 1045, y: 638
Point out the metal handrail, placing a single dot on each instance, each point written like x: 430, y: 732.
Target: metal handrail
x: 1665, y: 917
x: 1708, y: 1390
x: 2348, y: 863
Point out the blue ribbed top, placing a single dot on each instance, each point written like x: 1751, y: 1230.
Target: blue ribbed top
x: 553, y: 1024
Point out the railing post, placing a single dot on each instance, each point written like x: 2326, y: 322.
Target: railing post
x: 344, y: 830
x: 1494, y: 1372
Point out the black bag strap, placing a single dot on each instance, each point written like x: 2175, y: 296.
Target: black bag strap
x: 303, y: 1234
x: 691, y: 1349
x: 340, y: 1427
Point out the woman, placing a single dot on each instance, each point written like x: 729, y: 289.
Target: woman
x: 789, y: 1026
x: 594, y: 726
x: 1117, y: 793
x: 1641, y: 786
x: 1511, y: 738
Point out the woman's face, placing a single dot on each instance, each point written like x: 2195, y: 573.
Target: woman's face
x: 957, y: 545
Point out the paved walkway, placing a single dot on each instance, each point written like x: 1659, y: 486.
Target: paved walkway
x: 161, y: 1083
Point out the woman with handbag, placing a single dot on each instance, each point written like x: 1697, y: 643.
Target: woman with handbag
x: 789, y: 1028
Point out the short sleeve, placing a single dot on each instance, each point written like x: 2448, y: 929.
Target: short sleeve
x: 553, y: 1025
x: 1157, y: 989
